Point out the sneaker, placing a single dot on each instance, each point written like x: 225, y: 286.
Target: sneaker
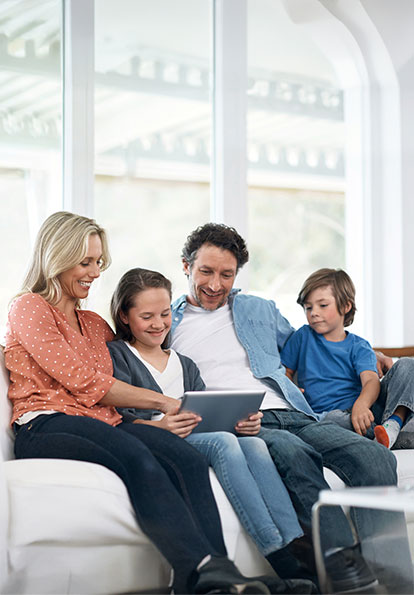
x: 220, y: 575
x: 348, y: 572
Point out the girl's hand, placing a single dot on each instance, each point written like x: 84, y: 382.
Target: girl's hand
x: 361, y: 417
x: 181, y: 424
x: 250, y: 426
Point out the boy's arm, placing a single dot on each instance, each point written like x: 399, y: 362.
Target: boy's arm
x: 362, y: 416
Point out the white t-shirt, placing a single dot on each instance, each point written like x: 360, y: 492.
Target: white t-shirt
x: 170, y: 381
x: 208, y: 337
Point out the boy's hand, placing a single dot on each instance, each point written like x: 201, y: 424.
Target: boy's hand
x: 361, y: 417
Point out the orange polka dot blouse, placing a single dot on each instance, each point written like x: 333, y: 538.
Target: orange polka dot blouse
x: 53, y: 367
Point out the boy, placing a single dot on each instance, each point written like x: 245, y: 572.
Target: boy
x: 337, y: 369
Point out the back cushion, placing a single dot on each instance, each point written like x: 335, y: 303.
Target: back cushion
x: 6, y: 434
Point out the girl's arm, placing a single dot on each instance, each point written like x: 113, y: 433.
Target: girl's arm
x: 361, y: 415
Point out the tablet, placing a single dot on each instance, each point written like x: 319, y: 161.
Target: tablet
x: 221, y: 409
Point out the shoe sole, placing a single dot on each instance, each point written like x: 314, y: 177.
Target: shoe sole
x: 370, y: 588
x: 252, y: 588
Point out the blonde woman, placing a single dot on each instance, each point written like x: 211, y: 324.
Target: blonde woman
x: 64, y: 397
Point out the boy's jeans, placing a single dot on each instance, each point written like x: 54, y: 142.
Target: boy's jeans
x: 397, y: 388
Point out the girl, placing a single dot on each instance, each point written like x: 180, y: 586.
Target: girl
x: 141, y: 312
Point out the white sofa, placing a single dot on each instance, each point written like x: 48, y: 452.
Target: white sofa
x: 68, y: 526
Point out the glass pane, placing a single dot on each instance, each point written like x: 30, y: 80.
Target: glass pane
x: 296, y: 200
x: 152, y: 122
x: 30, y: 131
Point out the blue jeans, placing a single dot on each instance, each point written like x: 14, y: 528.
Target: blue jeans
x: 166, y: 478
x: 252, y: 484
x: 300, y: 448
x: 397, y: 388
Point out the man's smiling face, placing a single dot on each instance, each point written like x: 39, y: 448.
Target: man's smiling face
x: 211, y: 276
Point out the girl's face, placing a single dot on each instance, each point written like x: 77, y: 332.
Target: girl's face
x: 149, y: 318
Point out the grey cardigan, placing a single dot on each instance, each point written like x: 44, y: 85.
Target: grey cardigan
x: 128, y: 368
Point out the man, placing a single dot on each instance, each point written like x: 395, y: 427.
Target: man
x: 235, y: 340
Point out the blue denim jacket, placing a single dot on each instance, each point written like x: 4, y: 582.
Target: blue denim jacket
x: 263, y: 331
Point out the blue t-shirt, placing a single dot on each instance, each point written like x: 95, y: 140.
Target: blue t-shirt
x: 327, y: 370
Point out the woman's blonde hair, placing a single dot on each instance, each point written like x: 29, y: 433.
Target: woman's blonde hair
x: 61, y: 244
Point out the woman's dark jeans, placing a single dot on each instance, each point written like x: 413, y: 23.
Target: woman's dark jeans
x: 166, y: 478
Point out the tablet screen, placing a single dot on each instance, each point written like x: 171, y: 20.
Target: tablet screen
x: 221, y: 410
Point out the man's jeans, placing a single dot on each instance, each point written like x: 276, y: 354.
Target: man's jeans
x: 397, y: 388
x: 300, y: 448
x: 252, y: 484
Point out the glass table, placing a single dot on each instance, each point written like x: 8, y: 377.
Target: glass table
x: 381, y: 498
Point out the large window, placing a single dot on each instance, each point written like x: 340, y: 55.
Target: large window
x: 152, y: 123
x: 152, y: 141
x: 295, y: 145
x: 30, y: 131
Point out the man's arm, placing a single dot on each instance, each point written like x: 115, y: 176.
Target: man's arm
x: 290, y: 373
x: 361, y: 415
x: 384, y: 363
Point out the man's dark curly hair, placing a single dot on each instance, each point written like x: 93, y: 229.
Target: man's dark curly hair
x: 216, y: 234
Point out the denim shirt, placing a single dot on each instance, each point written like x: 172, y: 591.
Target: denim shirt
x: 263, y: 331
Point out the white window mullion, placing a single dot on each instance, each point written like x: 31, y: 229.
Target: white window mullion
x: 229, y: 163
x: 78, y: 105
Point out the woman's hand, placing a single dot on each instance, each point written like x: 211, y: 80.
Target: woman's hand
x: 250, y: 426
x: 169, y: 405
x: 181, y: 424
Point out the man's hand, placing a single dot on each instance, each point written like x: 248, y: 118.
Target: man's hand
x: 361, y: 417
x: 384, y: 363
x: 250, y: 426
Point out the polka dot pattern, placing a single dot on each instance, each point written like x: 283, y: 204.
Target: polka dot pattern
x: 54, y: 367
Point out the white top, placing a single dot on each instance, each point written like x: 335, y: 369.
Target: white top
x: 170, y: 381
x: 208, y: 337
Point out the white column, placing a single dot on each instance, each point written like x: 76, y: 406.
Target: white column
x: 78, y: 106
x: 229, y: 161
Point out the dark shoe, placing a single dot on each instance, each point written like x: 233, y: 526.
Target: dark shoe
x: 220, y: 575
x: 295, y: 561
x: 277, y: 585
x: 348, y: 572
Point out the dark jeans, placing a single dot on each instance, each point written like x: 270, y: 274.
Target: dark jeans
x: 301, y: 447
x: 166, y: 478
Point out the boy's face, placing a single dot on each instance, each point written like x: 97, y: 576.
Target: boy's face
x: 323, y: 316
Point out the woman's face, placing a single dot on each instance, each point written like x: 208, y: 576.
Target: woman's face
x: 76, y: 282
x: 149, y: 318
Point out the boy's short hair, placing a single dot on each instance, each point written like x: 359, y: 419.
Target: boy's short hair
x: 342, y: 286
